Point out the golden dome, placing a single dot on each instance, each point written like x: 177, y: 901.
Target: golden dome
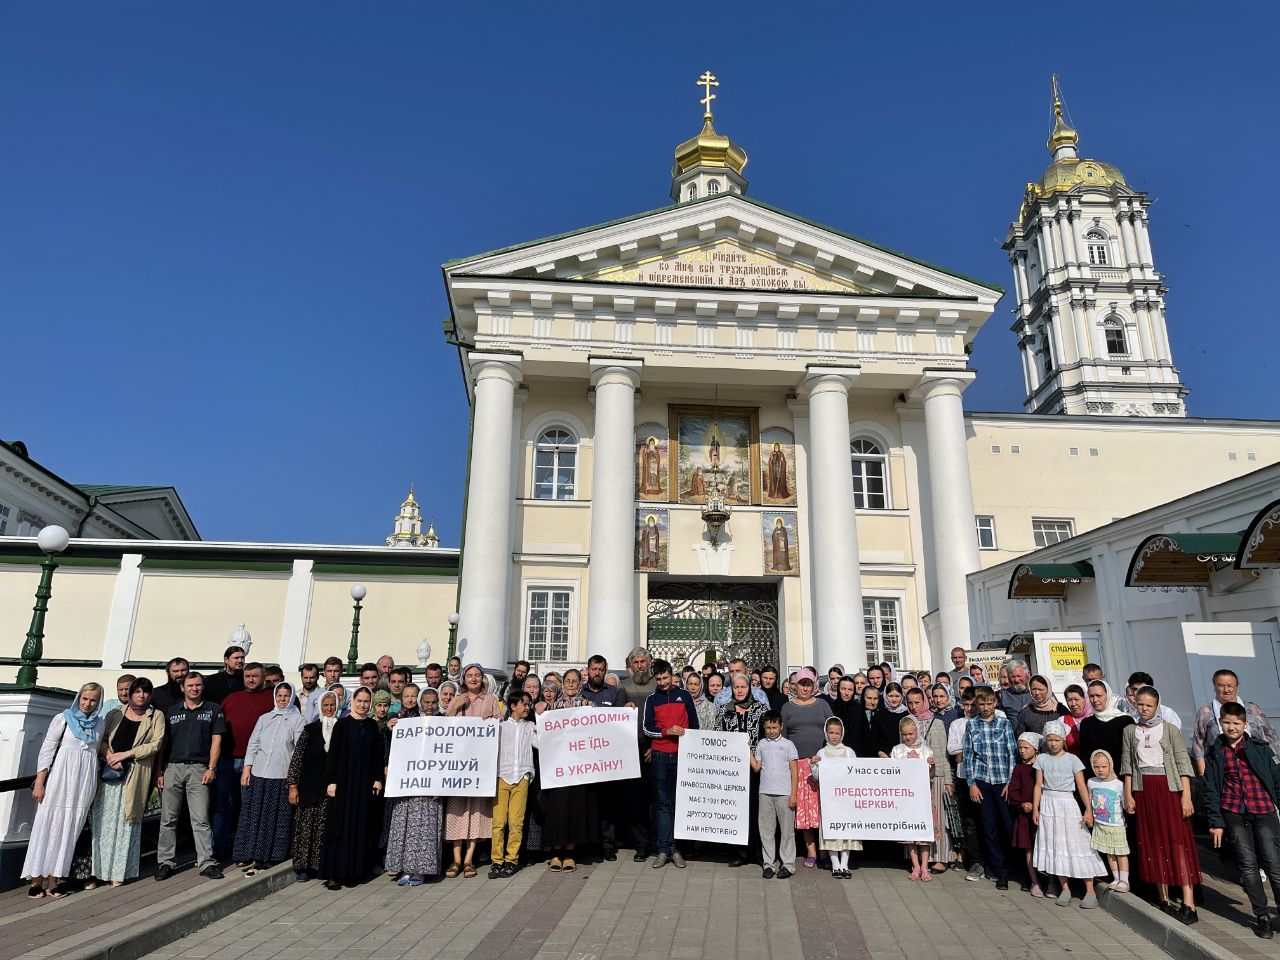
x: 710, y: 149
x: 410, y: 502
x: 1068, y: 171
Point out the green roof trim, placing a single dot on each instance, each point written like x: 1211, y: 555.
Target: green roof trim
x: 1047, y: 581
x: 714, y: 197
x: 1083, y: 570
x: 108, y: 489
x: 1181, y: 559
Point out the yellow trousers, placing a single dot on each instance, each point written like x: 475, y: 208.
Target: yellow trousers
x: 508, y: 815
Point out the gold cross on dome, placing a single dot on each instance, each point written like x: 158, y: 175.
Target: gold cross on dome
x: 708, y: 80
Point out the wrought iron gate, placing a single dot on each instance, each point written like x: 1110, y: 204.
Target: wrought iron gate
x: 684, y: 620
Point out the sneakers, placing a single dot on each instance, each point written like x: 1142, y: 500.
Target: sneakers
x: 1263, y: 928
x: 1064, y: 898
x: 1120, y: 887
x: 1002, y: 883
x: 1089, y: 902
x: 495, y: 871
x: 767, y: 873
x: 785, y: 874
x: 661, y: 860
x: 976, y: 872
x: 212, y: 872
x: 165, y: 871
x: 678, y: 860
x: 508, y: 871
x: 403, y: 879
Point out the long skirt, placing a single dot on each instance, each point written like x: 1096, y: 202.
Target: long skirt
x: 571, y: 817
x: 412, y: 835
x: 468, y: 818
x: 117, y: 845
x: 1062, y: 840
x: 308, y: 837
x: 266, y: 822
x: 808, y: 811
x: 940, y: 851
x: 1166, y: 851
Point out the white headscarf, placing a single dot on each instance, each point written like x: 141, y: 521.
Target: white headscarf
x: 327, y: 723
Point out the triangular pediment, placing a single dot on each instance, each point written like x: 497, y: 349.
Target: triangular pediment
x: 726, y: 242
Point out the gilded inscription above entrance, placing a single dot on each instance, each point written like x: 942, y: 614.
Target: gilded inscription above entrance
x: 725, y: 263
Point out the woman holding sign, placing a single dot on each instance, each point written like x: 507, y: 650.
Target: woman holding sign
x: 569, y: 816
x: 470, y: 818
x: 744, y: 714
x: 354, y: 766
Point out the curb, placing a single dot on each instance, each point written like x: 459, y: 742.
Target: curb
x: 1175, y: 938
x: 173, y: 924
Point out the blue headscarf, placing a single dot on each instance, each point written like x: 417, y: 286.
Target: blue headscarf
x: 85, y: 726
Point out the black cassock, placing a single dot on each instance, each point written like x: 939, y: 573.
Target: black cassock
x: 354, y: 762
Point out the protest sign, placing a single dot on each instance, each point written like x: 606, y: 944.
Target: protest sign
x: 876, y: 800
x: 587, y: 745
x: 443, y: 757
x: 713, y: 783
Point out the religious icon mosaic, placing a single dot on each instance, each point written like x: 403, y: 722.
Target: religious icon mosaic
x: 653, y: 537
x: 714, y: 452
x: 652, y: 462
x: 777, y: 467
x: 781, y: 544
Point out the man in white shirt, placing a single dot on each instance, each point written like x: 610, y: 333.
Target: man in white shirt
x: 516, y: 739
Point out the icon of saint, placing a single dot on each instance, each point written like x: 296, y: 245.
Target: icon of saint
x: 697, y: 487
x: 647, y: 544
x: 775, y: 475
x: 713, y: 452
x: 651, y: 469
x: 781, y: 559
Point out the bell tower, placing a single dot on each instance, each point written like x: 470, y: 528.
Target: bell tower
x: 1089, y: 312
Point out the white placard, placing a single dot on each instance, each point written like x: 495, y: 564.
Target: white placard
x: 1060, y: 657
x: 587, y: 745
x: 443, y: 757
x: 876, y: 800
x: 713, y: 783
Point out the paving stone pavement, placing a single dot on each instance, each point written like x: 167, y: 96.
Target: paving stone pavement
x: 626, y: 910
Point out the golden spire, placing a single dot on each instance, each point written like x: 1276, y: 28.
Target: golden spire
x: 410, y: 502
x: 709, y: 148
x: 707, y: 81
x: 1063, y: 135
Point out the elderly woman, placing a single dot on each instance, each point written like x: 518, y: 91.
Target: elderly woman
x: 744, y: 714
x: 705, y: 708
x: 354, y: 768
x: 266, y: 819
x: 1044, y: 706
x: 307, y: 782
x: 804, y: 724
x: 551, y: 691
x: 469, y: 819
x: 445, y: 694
x: 570, y: 816
x: 933, y: 733
x: 66, y: 782
x: 714, y: 684
x: 413, y: 825
x: 131, y: 740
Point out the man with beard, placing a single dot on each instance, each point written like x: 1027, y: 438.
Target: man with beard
x: 240, y: 711
x: 611, y: 794
x: 434, y: 675
x: 170, y: 692
x: 636, y: 687
x: 518, y: 674
x: 1017, y: 695
x: 228, y: 680
x: 332, y: 674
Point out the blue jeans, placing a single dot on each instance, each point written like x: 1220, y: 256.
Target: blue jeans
x: 226, y: 811
x: 662, y: 780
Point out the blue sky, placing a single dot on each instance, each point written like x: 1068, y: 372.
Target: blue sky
x: 222, y: 224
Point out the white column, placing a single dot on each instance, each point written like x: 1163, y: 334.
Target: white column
x: 1127, y: 239
x: 955, y: 544
x: 1047, y: 260
x: 1084, y: 336
x: 1068, y: 234
x: 1141, y: 228
x: 1143, y: 321
x: 297, y: 615
x: 1020, y: 273
x: 837, y: 579
x: 802, y: 652
x: 485, y: 590
x: 611, y: 596
x: 123, y: 612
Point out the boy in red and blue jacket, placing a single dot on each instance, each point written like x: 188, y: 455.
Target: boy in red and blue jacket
x: 668, y: 713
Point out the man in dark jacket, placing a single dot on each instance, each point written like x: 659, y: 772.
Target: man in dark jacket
x: 1241, y: 787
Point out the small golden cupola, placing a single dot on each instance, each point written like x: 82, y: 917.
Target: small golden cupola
x: 709, y: 163
x: 1062, y: 141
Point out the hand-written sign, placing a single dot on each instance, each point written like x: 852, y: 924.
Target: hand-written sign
x: 713, y: 783
x: 876, y: 800
x: 587, y: 745
x: 443, y: 757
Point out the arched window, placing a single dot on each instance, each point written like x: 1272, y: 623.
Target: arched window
x: 555, y: 465
x: 1117, y: 342
x: 693, y: 191
x: 713, y: 186
x: 1096, y: 242
x: 870, y: 475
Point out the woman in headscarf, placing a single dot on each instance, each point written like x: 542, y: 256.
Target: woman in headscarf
x: 469, y: 818
x: 769, y: 684
x: 870, y: 707
x: 354, y: 768
x: 1104, y: 728
x: 1044, y: 706
x: 533, y: 687
x: 307, y: 780
x: 340, y: 692
x: 933, y: 733
x: 804, y: 724
x: 715, y: 683
x: 855, y: 730
x: 429, y: 702
x: 266, y: 818
x: 453, y: 669
x: 744, y: 714
x: 445, y: 693
x: 884, y: 725
x: 131, y: 740
x: 1078, y: 710
x: 413, y: 827
x: 66, y: 782
x: 706, y: 709
x: 569, y: 813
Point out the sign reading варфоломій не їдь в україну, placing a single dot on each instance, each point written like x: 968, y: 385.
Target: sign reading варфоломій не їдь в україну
x: 876, y: 800
x: 713, y: 787
x: 443, y: 757
x: 587, y: 745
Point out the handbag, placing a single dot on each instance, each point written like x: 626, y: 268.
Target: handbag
x: 111, y: 775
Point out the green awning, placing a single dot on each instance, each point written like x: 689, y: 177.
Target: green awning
x: 1181, y: 559
x: 1260, y: 547
x: 1047, y: 581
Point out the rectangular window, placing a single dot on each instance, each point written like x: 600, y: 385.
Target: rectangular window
x: 1048, y: 532
x: 986, y: 532
x: 547, y: 632
x: 1014, y: 448
x: 4, y: 519
x: 1073, y: 451
x: 995, y: 448
x: 1251, y: 455
x: 1095, y: 452
x: 1231, y: 455
x: 880, y: 625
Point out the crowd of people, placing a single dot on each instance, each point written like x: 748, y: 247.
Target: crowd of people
x: 1057, y: 787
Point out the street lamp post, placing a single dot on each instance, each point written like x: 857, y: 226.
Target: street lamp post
x: 52, y: 540
x: 358, y: 593
x: 453, y: 635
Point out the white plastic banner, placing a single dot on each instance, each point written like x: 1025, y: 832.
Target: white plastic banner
x: 587, y: 745
x: 443, y: 757
x: 876, y: 800
x: 713, y: 783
